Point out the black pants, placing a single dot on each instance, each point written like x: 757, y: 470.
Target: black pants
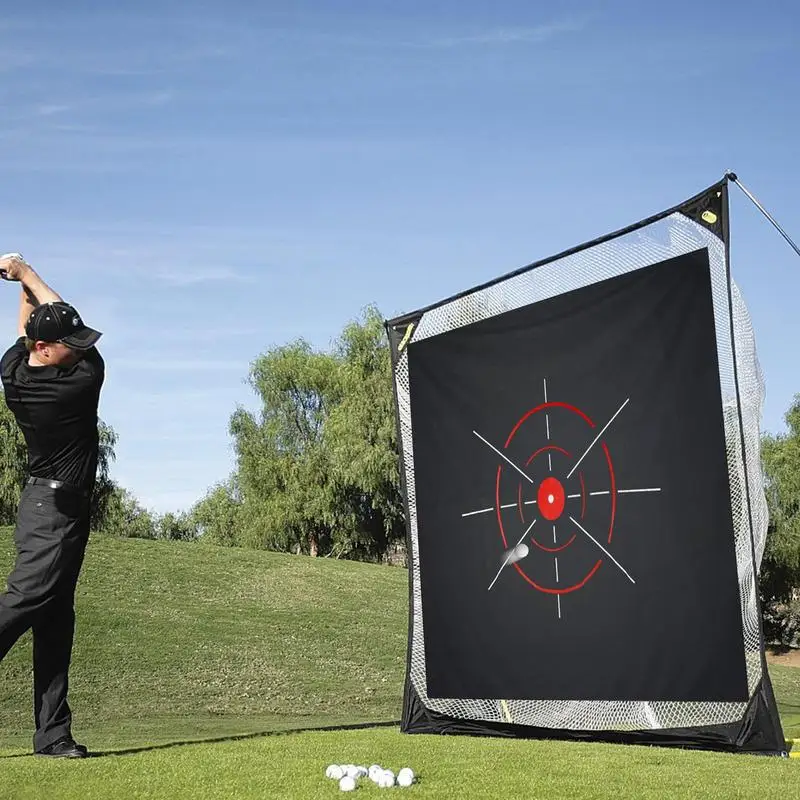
x: 51, y: 535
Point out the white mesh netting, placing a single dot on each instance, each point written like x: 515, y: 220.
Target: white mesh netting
x: 670, y: 237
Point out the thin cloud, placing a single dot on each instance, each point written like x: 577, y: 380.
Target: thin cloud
x: 142, y: 63
x: 14, y: 60
x: 71, y: 127
x: 160, y: 98
x: 181, y: 365
x: 213, y: 335
x: 115, y: 100
x: 191, y: 276
x: 171, y: 501
x: 179, y: 399
x: 181, y: 436
x: 59, y: 113
x: 504, y: 36
x: 48, y: 109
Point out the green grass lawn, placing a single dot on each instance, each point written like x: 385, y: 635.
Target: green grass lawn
x: 182, y: 648
x: 184, y: 641
x: 293, y: 766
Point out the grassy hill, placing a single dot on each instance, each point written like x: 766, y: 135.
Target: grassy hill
x: 178, y: 643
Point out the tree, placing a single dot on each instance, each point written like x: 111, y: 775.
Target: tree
x: 216, y: 517
x: 361, y: 433
x: 14, y: 468
x: 175, y: 527
x: 125, y: 517
x: 780, y: 568
x: 103, y: 485
x: 13, y: 465
x: 317, y: 469
x: 283, y: 467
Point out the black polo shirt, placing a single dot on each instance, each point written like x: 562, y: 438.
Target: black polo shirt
x: 56, y: 408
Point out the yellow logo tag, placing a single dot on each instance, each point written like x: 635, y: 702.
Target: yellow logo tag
x: 405, y: 338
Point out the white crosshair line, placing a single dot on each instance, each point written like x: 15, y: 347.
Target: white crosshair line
x: 524, y: 475
x: 558, y: 596
x: 529, y: 479
x: 596, y: 439
x: 606, y: 491
x: 506, y: 505
x: 508, y: 555
x: 569, y: 497
x: 575, y: 466
x: 546, y: 415
x: 603, y: 549
x: 550, y: 462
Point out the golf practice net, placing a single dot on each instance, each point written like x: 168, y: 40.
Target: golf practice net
x: 601, y: 410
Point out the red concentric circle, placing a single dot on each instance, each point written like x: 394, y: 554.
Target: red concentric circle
x: 613, y: 493
x: 539, y: 452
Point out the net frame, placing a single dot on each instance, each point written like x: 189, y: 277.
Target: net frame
x: 673, y: 233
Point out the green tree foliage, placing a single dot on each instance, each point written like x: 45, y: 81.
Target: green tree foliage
x: 780, y: 568
x: 176, y: 527
x: 13, y: 465
x: 317, y: 466
x: 283, y: 466
x: 217, y: 516
x: 361, y: 435
x: 14, y: 468
x: 103, y: 485
x: 125, y: 517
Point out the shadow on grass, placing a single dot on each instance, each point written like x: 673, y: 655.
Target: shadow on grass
x: 218, y: 740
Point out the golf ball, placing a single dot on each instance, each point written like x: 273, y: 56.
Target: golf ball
x: 405, y: 777
x: 520, y: 551
x: 374, y: 772
x: 386, y: 779
x: 347, y: 784
x: 351, y: 771
x: 334, y: 771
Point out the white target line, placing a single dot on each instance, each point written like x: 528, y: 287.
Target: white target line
x: 508, y: 555
x: 604, y: 550
x: 619, y: 491
x: 492, y: 508
x: 597, y: 438
x: 524, y: 475
x: 546, y: 415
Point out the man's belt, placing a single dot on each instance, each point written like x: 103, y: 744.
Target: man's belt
x: 53, y: 484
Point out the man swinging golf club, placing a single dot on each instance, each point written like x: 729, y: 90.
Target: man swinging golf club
x: 52, y: 377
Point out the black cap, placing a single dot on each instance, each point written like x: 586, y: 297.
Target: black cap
x: 60, y: 322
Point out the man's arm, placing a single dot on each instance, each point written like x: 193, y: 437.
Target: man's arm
x: 34, y: 290
x: 39, y: 290
x: 27, y: 303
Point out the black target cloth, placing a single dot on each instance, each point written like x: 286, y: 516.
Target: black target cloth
x: 647, y: 338
x: 584, y: 415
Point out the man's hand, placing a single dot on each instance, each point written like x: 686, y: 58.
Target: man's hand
x: 34, y: 290
x: 12, y: 267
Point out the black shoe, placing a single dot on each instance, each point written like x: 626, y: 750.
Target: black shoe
x: 66, y: 747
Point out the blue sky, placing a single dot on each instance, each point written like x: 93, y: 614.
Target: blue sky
x: 206, y: 180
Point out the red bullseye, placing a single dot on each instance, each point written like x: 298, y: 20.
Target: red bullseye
x: 548, y: 509
x: 550, y: 498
